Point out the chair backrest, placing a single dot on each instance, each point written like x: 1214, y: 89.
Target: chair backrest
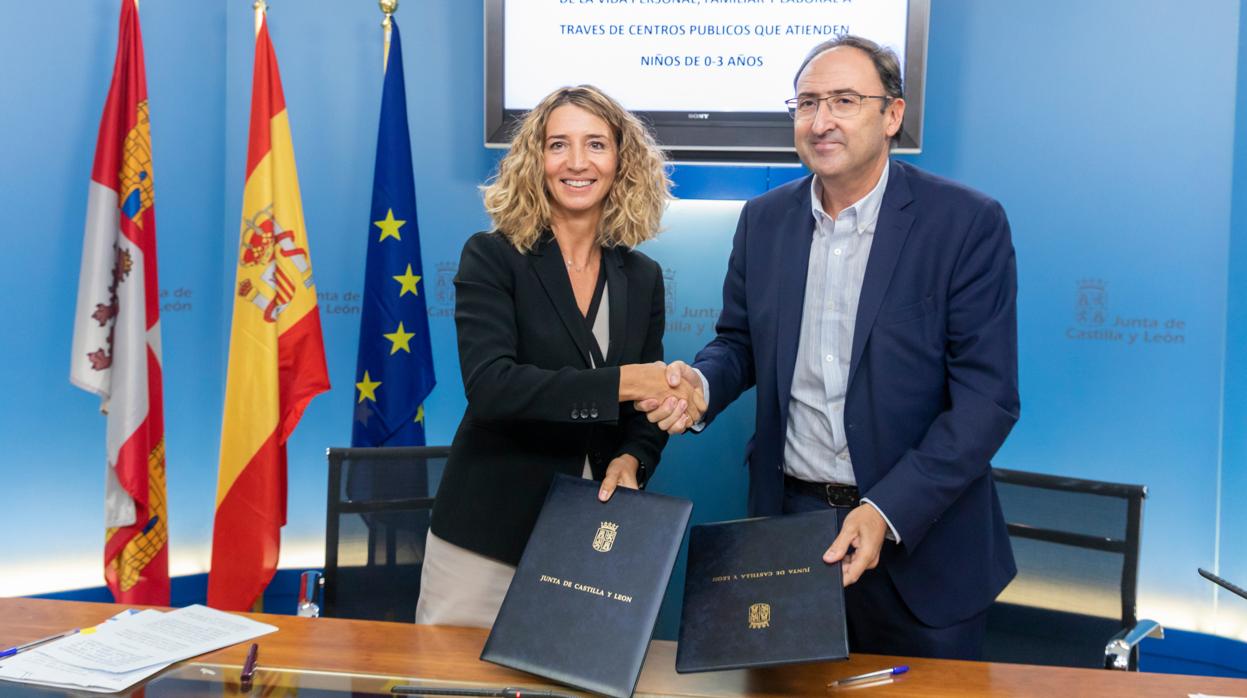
x: 1076, y: 543
x: 377, y: 516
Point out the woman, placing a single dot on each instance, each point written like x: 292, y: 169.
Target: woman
x: 560, y: 327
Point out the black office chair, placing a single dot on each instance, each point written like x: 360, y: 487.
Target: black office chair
x: 380, y: 500
x: 1073, y: 602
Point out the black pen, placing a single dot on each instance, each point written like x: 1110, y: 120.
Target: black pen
x: 248, y: 665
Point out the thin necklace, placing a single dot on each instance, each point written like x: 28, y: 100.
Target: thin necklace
x: 579, y: 269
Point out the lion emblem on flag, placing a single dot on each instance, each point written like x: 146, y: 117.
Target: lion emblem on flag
x: 283, y: 264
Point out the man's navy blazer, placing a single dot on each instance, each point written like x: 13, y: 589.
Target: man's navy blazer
x: 932, y: 389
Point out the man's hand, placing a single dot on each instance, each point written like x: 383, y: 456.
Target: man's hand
x: 656, y: 380
x: 620, y: 473
x: 674, y: 415
x: 863, y: 532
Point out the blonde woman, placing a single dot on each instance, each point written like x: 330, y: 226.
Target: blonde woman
x: 560, y: 325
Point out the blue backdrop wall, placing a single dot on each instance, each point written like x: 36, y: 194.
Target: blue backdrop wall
x: 1117, y: 155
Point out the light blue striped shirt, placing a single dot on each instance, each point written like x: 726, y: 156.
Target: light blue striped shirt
x: 816, y: 448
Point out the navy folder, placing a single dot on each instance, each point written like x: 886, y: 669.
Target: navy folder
x: 757, y: 593
x: 582, y: 605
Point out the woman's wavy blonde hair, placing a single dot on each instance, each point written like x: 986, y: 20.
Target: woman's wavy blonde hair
x: 519, y: 205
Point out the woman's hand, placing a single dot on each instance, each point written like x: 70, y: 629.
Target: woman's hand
x: 620, y: 473
x: 670, y: 414
x: 655, y: 385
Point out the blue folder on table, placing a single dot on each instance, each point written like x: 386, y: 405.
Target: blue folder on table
x: 582, y: 605
x: 757, y: 593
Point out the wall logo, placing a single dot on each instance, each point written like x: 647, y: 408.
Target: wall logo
x: 1091, y: 308
x: 683, y: 320
x: 668, y: 282
x: 443, y: 301
x: 1094, y: 323
x: 444, y: 293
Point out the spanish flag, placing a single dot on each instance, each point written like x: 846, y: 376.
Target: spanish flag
x: 276, y: 352
x: 116, y: 346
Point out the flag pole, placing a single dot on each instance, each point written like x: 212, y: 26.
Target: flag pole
x: 260, y: 7
x: 388, y: 7
x: 276, y: 348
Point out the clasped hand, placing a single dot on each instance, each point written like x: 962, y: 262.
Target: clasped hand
x: 683, y: 403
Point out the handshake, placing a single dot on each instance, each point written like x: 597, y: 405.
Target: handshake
x: 671, y: 396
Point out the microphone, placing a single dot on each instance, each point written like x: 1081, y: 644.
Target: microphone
x: 1221, y: 582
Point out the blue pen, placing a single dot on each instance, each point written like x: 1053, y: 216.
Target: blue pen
x: 882, y: 673
x: 35, y: 643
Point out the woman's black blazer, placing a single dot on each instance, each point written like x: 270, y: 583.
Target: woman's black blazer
x: 535, y: 407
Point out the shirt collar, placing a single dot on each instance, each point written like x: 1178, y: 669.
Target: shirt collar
x: 865, y: 209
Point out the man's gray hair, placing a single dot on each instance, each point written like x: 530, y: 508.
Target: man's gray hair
x: 886, y: 63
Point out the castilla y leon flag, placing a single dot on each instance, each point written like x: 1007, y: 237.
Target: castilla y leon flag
x: 116, y: 345
x: 276, y: 352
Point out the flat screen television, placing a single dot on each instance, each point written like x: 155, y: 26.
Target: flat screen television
x: 709, y: 76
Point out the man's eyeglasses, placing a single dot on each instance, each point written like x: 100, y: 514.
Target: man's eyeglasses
x: 843, y: 104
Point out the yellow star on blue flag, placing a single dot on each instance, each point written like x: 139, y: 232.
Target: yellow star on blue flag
x: 403, y: 357
x: 389, y: 226
x: 399, y: 340
x: 408, y: 282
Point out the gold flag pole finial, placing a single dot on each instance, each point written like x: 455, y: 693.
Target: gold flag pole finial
x: 389, y: 7
x: 260, y: 8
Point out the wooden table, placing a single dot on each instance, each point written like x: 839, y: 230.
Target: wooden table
x: 451, y: 654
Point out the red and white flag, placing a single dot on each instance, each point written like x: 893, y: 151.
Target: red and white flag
x: 116, y: 347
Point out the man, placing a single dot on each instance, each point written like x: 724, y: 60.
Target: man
x: 873, y: 306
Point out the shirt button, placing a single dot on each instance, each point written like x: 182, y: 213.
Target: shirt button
x: 830, y: 358
x: 836, y: 252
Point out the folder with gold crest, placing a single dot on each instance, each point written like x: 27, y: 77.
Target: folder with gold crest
x: 582, y: 605
x: 757, y: 593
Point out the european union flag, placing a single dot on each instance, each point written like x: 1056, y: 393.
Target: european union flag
x: 394, y: 373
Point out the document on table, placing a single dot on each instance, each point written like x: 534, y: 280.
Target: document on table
x: 169, y: 638
x: 34, y: 667
x: 129, y: 648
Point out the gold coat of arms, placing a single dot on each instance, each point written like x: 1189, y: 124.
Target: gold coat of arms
x: 759, y: 616
x: 605, y: 537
